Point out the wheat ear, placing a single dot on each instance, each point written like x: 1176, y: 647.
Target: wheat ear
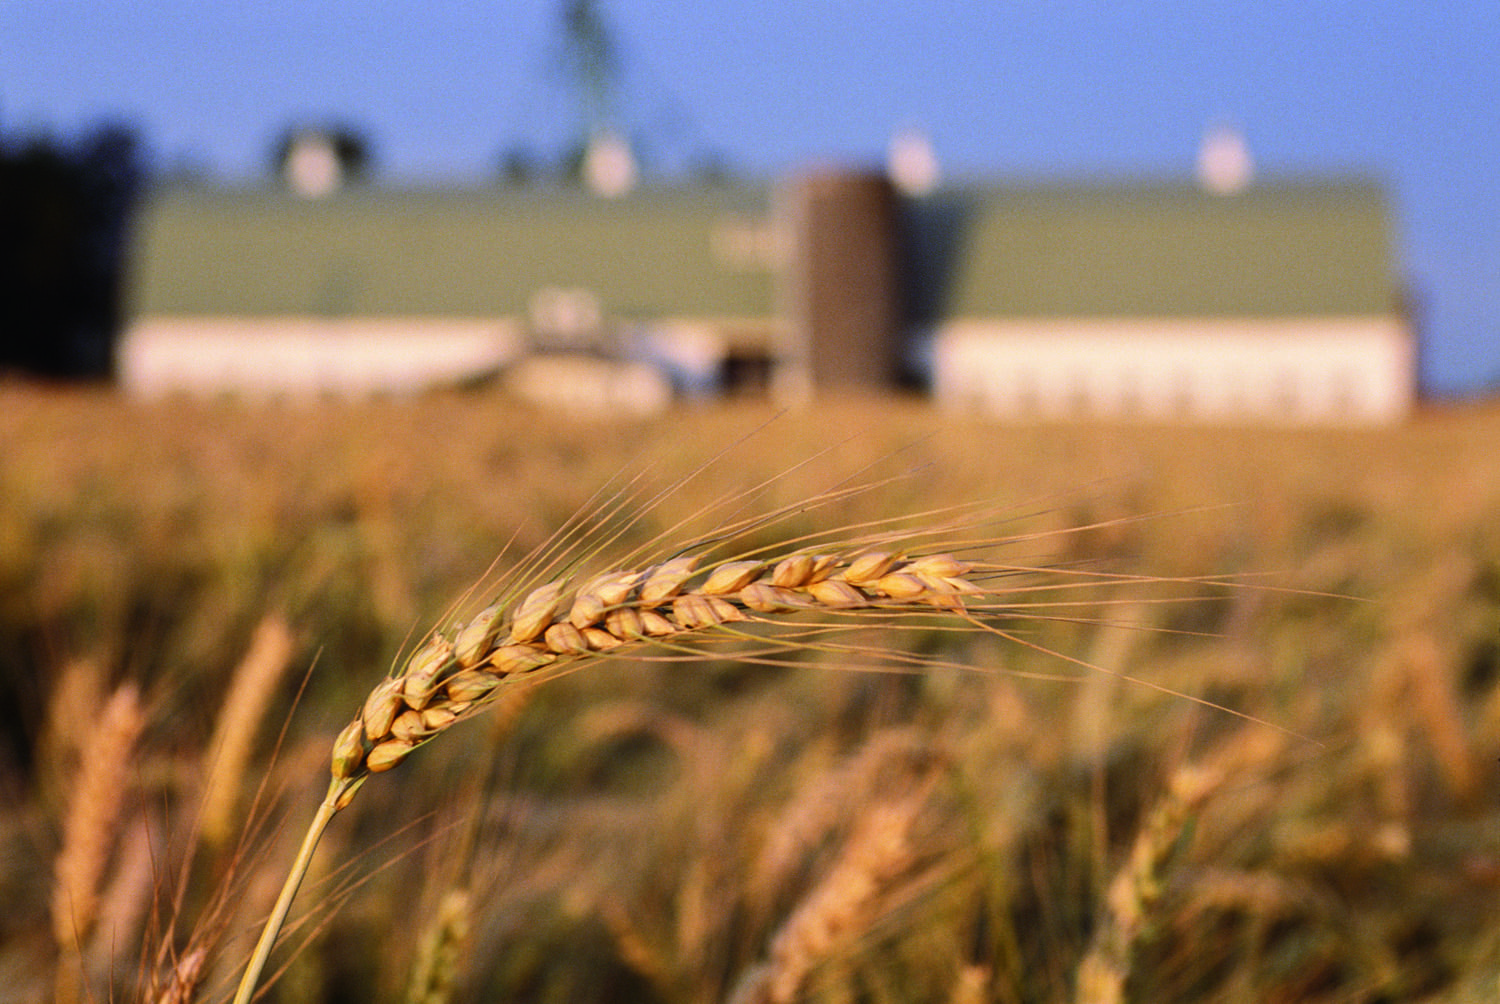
x: 440, y: 953
x: 842, y: 905
x: 551, y: 627
x: 250, y: 693
x: 89, y: 831
x: 1135, y: 889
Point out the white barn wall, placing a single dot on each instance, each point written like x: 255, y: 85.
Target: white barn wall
x: 1357, y: 370
x: 299, y: 356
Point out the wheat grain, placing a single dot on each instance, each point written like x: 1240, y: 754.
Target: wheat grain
x: 548, y: 627
x: 1433, y: 693
x: 817, y: 807
x: 124, y: 902
x: 78, y: 692
x: 971, y: 986
x: 183, y: 980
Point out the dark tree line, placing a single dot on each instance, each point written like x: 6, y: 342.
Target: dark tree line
x: 64, y: 213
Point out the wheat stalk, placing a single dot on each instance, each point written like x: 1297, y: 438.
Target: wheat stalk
x: 1133, y: 894
x: 250, y: 693
x: 440, y: 953
x: 452, y: 678
x: 845, y: 902
x: 89, y: 831
x: 677, y: 605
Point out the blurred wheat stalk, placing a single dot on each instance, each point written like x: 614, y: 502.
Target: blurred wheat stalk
x: 97, y: 801
x: 1061, y: 878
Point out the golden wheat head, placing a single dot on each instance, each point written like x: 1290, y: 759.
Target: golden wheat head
x: 450, y: 678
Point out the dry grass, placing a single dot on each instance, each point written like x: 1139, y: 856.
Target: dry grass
x: 654, y: 829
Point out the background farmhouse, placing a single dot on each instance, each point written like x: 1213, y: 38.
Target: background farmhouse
x: 1161, y: 301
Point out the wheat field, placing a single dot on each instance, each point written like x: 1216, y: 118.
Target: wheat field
x: 1235, y: 739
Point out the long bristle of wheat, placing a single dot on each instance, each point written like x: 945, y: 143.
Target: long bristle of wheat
x: 98, y: 798
x: 446, y: 679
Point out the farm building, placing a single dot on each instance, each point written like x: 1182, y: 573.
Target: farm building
x: 1162, y: 301
x: 378, y: 290
x: 1276, y: 303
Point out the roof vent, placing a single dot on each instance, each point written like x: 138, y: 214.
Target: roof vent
x: 1224, y: 164
x: 313, y: 168
x: 912, y: 163
x: 608, y: 165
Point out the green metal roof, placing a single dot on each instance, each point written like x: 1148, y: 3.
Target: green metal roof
x: 1080, y: 251
x: 1155, y: 250
x: 379, y: 252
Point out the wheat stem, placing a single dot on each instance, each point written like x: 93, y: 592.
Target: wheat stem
x: 339, y: 793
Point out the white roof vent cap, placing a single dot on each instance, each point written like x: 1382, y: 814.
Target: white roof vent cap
x: 1224, y: 163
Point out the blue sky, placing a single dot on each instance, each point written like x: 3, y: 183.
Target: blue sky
x: 1032, y: 89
